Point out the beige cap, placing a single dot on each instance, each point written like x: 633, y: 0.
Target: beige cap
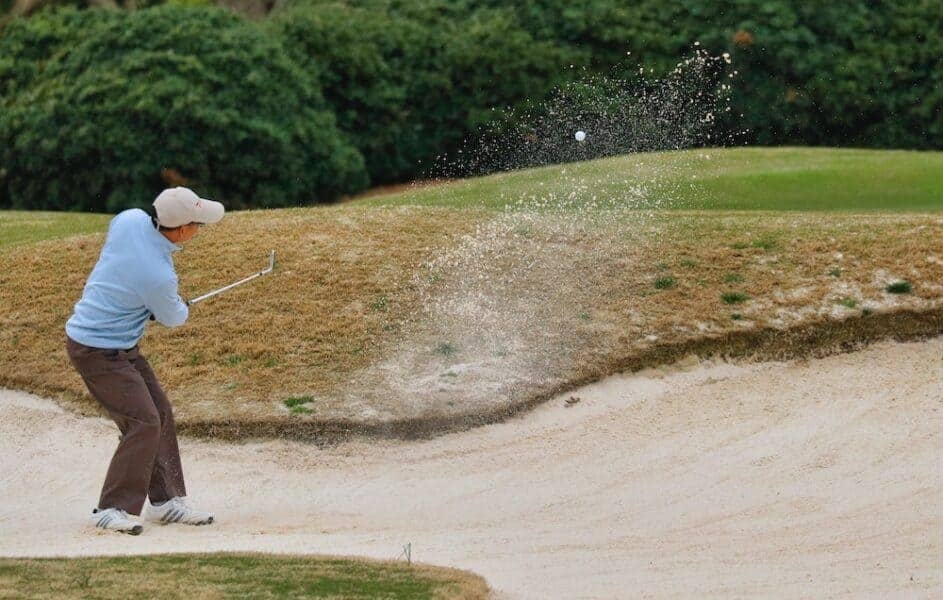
x: 179, y: 206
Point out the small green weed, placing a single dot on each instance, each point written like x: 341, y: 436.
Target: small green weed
x: 194, y: 359
x: 765, y: 242
x: 271, y: 362
x: 446, y: 349
x: 380, y: 303
x: 584, y: 316
x: 688, y: 263
x: 664, y: 283
x: 736, y: 316
x: 733, y: 278
x: 739, y: 245
x: 734, y: 298
x: 849, y: 303
x: 866, y: 311
x: 899, y: 287
x: 297, y: 405
x: 234, y: 359
x: 835, y: 273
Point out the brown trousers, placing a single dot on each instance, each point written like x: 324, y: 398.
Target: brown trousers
x: 147, y: 461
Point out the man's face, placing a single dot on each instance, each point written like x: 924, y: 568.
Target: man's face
x: 184, y: 233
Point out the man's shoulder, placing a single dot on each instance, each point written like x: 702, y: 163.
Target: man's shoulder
x: 132, y: 215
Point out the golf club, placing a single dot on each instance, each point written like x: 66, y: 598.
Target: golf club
x: 268, y: 269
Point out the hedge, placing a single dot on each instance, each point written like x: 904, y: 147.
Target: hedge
x: 101, y: 109
x: 846, y: 72
x: 324, y: 96
x: 407, y: 86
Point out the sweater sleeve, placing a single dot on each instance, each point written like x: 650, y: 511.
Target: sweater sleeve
x: 165, y: 304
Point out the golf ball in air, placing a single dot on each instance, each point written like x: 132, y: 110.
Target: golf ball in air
x: 580, y: 136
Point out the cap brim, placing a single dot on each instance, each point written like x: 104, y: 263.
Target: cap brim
x: 210, y: 211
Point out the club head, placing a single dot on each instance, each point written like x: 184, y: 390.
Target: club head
x: 271, y: 262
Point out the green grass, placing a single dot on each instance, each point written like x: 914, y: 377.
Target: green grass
x: 664, y: 283
x: 734, y: 298
x: 229, y: 576
x: 23, y: 227
x: 813, y: 179
x: 899, y: 287
x: 296, y: 401
x: 730, y: 179
x: 446, y: 349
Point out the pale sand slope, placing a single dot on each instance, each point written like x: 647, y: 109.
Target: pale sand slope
x: 822, y: 479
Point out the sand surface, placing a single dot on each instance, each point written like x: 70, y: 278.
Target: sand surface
x: 814, y: 479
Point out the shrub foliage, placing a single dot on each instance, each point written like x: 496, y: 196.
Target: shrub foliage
x: 101, y: 109
x: 323, y: 96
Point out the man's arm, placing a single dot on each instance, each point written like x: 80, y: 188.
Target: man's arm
x: 166, y: 305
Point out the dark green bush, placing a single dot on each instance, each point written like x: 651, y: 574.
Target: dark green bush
x: 850, y: 72
x: 94, y: 104
x: 99, y: 106
x: 410, y: 81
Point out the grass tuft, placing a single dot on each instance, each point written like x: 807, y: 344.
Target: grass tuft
x: 446, y: 349
x: 234, y: 359
x: 295, y: 401
x: 835, y: 273
x: 664, y: 283
x: 849, y: 303
x: 380, y: 303
x: 899, y: 287
x: 765, y: 243
x: 736, y: 316
x: 733, y: 278
x: 734, y: 298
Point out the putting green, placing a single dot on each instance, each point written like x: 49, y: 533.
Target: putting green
x: 722, y: 179
x: 230, y: 575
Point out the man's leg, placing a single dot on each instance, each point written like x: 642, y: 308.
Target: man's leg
x: 167, y: 476
x: 120, y: 389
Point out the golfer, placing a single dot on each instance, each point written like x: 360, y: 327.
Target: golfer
x: 134, y: 281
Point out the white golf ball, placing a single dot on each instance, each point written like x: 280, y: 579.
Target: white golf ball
x: 580, y: 136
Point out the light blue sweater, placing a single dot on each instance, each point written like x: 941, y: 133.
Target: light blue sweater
x: 133, y: 279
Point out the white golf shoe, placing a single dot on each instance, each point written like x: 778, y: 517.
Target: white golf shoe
x: 115, y: 519
x: 176, y: 510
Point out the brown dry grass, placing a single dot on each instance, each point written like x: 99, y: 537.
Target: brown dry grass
x: 320, y: 316
x: 348, y: 301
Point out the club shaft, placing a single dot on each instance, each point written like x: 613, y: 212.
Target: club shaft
x: 228, y: 287
x: 268, y: 269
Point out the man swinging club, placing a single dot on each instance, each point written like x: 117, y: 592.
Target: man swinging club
x: 134, y: 281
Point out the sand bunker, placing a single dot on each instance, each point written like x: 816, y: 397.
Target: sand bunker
x: 814, y: 479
